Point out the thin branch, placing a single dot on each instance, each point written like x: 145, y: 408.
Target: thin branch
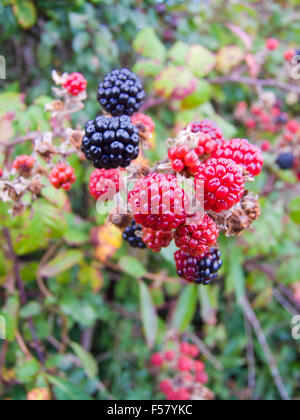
x: 250, y: 355
x: 284, y: 302
x: 19, y: 140
x: 204, y: 350
x: 255, y: 82
x: 151, y: 103
x: 250, y: 314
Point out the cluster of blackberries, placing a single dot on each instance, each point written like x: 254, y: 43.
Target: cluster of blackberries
x: 121, y: 93
x: 111, y: 142
x: 199, y: 270
x: 130, y: 235
x: 285, y: 161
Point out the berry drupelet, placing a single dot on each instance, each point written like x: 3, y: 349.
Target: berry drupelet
x: 130, y: 236
x: 111, y: 142
x: 121, y: 93
x: 286, y: 161
x: 199, y: 270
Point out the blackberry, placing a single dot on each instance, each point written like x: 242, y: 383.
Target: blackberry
x: 130, y: 235
x: 199, y: 270
x: 111, y: 142
x: 121, y: 93
x: 285, y: 160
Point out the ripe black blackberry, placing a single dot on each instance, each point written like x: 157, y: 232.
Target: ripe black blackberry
x: 285, y: 160
x: 121, y: 93
x: 111, y: 142
x: 199, y: 270
x: 130, y: 235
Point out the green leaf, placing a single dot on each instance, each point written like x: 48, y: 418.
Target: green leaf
x: 149, y: 314
x: 31, y: 309
x: 132, y: 267
x: 295, y: 210
x: 62, y: 262
x: 175, y: 83
x: 200, y: 60
x: 9, y: 312
x: 27, y: 371
x: 65, y: 390
x: 236, y: 273
x: 185, y: 309
x: 148, y: 67
x: 149, y: 45
x: 202, y: 94
x: 178, y: 52
x: 88, y: 362
x: 25, y: 13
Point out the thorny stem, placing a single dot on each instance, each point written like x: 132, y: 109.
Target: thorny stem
x: 21, y: 288
x: 255, y: 82
x: 250, y: 314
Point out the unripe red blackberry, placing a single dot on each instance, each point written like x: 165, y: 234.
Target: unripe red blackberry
x: 62, y: 176
x: 223, y: 184
x: 199, y: 270
x: 131, y: 235
x: 157, y: 239
x: 105, y: 183
x: 207, y: 127
x: 242, y: 153
x: 145, y: 120
x: 111, y: 142
x: 121, y: 93
x: 197, y: 239
x: 157, y: 359
x: 24, y: 164
x: 158, y: 202
x: 75, y: 84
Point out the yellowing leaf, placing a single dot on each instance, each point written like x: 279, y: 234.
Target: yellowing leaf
x: 175, y: 83
x: 25, y: 13
x: 229, y: 57
x: 108, y: 239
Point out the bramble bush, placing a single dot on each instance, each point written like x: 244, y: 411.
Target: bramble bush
x: 89, y: 312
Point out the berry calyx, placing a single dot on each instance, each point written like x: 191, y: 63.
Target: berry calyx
x: 158, y: 202
x: 242, y: 153
x: 111, y: 143
x: 24, y: 163
x: 121, y: 93
x: 199, y: 270
x: 62, y: 176
x: 133, y: 235
x: 286, y: 161
x: 197, y: 239
x: 105, y: 184
x: 272, y: 44
x: 156, y: 240
x: 207, y: 127
x: 223, y: 184
x: 75, y: 84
